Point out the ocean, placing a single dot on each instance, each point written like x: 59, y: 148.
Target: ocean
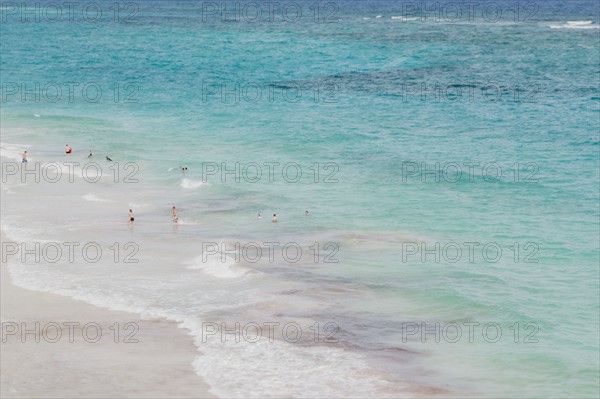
x: 447, y: 154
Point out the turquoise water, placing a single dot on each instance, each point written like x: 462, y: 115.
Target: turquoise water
x: 529, y: 107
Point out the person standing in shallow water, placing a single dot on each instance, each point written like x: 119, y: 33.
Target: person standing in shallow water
x: 175, y: 217
x: 131, y: 218
x: 68, y: 149
x: 274, y: 218
x: 24, y: 157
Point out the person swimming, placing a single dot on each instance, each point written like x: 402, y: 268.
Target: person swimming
x: 108, y: 159
x: 274, y: 218
x: 259, y: 217
x: 131, y: 218
x: 175, y: 217
x: 90, y: 155
x: 305, y: 213
x: 68, y: 149
x: 24, y: 157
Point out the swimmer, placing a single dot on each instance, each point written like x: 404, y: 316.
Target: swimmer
x: 131, y: 218
x: 274, y: 218
x: 175, y: 217
x: 24, y: 157
x: 68, y: 149
x: 108, y: 159
x: 259, y: 217
x: 89, y: 156
x: 305, y: 213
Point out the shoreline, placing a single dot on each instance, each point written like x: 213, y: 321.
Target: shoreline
x: 78, y: 362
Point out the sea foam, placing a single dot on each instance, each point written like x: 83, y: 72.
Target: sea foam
x: 190, y: 184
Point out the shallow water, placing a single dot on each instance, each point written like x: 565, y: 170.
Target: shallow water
x: 380, y: 104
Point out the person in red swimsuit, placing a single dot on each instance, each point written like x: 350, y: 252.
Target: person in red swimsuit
x: 68, y: 149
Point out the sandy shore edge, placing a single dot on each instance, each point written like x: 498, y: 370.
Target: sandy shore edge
x: 159, y: 365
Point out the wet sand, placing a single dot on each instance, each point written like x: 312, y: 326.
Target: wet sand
x: 159, y: 365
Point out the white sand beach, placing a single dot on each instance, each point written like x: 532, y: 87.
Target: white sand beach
x: 158, y: 366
